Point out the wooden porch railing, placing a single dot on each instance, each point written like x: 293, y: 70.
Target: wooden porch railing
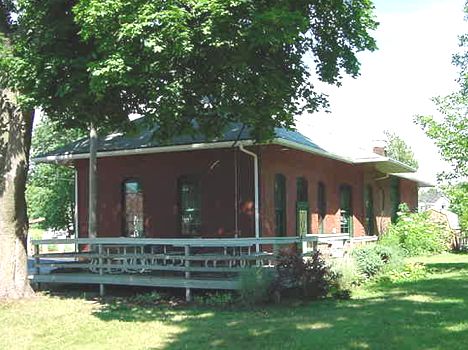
x: 204, y: 263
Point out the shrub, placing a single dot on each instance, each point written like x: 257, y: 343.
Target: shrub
x: 146, y: 299
x: 409, y: 272
x: 373, y: 259
x: 255, y: 285
x: 347, y: 273
x: 416, y: 234
x: 215, y: 299
x: 368, y: 260
x: 310, y: 279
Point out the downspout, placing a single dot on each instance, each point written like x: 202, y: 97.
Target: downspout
x: 256, y: 193
x: 382, y: 178
x: 76, y: 218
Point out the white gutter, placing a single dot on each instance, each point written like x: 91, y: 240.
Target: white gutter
x: 257, y: 209
x: 300, y: 147
x: 138, y: 151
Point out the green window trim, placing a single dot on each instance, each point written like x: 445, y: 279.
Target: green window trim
x: 346, y: 210
x: 321, y: 206
x: 133, y: 210
x: 302, y: 219
x: 394, y: 197
x: 302, y: 207
x: 280, y: 205
x: 369, y: 209
x: 189, y: 193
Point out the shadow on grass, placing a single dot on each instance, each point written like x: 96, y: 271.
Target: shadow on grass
x: 430, y: 313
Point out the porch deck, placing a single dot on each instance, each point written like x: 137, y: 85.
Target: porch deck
x: 200, y: 263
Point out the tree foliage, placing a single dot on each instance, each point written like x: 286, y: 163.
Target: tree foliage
x: 50, y: 190
x: 458, y: 195
x: 180, y: 63
x: 451, y: 133
x: 397, y: 149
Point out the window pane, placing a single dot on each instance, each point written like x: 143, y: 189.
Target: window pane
x: 321, y: 206
x: 189, y: 194
x: 133, y: 209
x: 369, y: 205
x: 394, y: 197
x: 345, y: 209
x: 280, y: 204
x: 302, y: 189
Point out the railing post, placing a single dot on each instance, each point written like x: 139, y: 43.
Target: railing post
x: 188, y: 294
x: 101, y: 271
x: 315, y: 245
x: 37, y: 260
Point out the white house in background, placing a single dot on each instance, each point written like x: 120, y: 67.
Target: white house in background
x: 440, y: 203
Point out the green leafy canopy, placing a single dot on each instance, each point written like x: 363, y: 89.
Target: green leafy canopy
x: 50, y: 190
x: 208, y: 62
x: 398, y: 149
x: 450, y: 133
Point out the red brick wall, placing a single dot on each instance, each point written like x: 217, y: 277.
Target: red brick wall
x: 409, y: 193
x: 158, y: 174
x: 293, y: 164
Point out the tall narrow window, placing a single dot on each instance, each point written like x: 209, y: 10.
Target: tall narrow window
x: 280, y: 204
x: 321, y: 206
x: 133, y: 209
x: 369, y: 206
x: 190, y: 205
x: 346, y: 214
x: 394, y: 197
x: 302, y: 207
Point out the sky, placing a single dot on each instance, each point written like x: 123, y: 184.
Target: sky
x: 416, y: 40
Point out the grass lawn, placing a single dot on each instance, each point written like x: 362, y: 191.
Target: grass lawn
x: 431, y: 313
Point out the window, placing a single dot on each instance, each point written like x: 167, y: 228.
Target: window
x: 189, y: 205
x: 321, y: 206
x: 346, y: 213
x: 369, y: 206
x: 280, y: 204
x: 394, y: 197
x: 302, y: 207
x: 133, y: 225
x: 302, y: 189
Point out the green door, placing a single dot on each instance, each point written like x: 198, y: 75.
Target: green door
x: 302, y: 218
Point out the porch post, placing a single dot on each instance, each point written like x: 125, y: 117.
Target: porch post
x: 92, y: 194
x: 76, y: 218
x: 188, y: 294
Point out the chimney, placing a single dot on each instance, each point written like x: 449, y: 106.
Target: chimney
x: 380, y: 147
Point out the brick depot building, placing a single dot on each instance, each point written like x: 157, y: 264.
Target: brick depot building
x: 232, y: 187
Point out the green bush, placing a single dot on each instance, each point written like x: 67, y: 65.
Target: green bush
x: 215, y: 299
x: 347, y: 273
x: 408, y: 272
x: 416, y: 234
x: 309, y: 278
x: 146, y: 299
x: 376, y: 258
x: 368, y: 260
x: 255, y: 285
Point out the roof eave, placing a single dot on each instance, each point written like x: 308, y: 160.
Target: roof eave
x: 304, y: 148
x: 386, y: 165
x: 140, y: 151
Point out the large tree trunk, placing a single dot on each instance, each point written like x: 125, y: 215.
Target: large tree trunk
x: 15, y: 142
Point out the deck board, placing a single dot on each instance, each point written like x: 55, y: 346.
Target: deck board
x: 139, y: 280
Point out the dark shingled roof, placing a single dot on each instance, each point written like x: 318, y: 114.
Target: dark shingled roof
x: 146, y: 139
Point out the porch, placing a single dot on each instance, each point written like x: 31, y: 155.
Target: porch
x: 197, y: 263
